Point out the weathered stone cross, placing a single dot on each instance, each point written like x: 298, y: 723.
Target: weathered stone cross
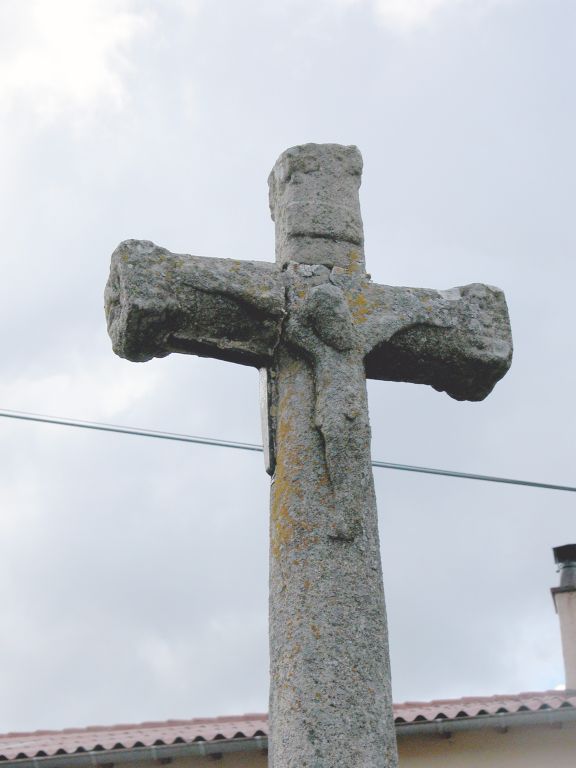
x: 317, y: 326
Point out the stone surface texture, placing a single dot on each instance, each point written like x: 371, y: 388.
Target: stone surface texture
x: 319, y: 327
x: 159, y: 302
x: 314, y: 203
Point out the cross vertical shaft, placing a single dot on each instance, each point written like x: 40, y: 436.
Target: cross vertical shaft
x: 330, y: 696
x: 330, y: 691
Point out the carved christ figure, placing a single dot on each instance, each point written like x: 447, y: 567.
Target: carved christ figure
x: 316, y: 326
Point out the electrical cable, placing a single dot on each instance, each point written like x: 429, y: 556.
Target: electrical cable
x: 36, y: 417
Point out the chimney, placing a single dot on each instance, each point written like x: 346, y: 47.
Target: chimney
x: 564, y: 597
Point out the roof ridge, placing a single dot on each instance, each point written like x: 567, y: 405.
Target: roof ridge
x: 485, y: 699
x: 135, y: 726
x: 241, y: 720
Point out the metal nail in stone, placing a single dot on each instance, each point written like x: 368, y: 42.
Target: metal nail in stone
x: 317, y: 327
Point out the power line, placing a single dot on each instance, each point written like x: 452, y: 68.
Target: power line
x: 129, y: 430
x: 36, y: 417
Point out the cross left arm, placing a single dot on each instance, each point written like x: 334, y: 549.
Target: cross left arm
x: 158, y: 302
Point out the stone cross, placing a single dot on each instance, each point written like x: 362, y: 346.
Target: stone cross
x: 317, y: 326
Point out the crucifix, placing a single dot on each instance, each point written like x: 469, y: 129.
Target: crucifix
x: 316, y: 326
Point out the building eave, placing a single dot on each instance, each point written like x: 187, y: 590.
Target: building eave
x: 501, y: 721
x: 166, y: 754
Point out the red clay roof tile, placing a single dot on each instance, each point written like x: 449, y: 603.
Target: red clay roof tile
x: 125, y: 736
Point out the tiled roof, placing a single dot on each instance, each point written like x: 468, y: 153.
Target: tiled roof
x: 101, y: 738
x: 473, y: 706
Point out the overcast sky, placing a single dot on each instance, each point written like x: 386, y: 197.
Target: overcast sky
x: 133, y: 575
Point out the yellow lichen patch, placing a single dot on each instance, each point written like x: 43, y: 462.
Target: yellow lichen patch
x: 355, y: 264
x: 290, y: 527
x: 359, y: 307
x: 295, y: 650
x: 282, y: 527
x: 282, y: 523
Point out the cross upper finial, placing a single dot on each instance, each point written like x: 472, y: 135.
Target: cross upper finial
x: 314, y: 203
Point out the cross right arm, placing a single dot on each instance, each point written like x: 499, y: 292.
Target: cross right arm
x: 459, y: 340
